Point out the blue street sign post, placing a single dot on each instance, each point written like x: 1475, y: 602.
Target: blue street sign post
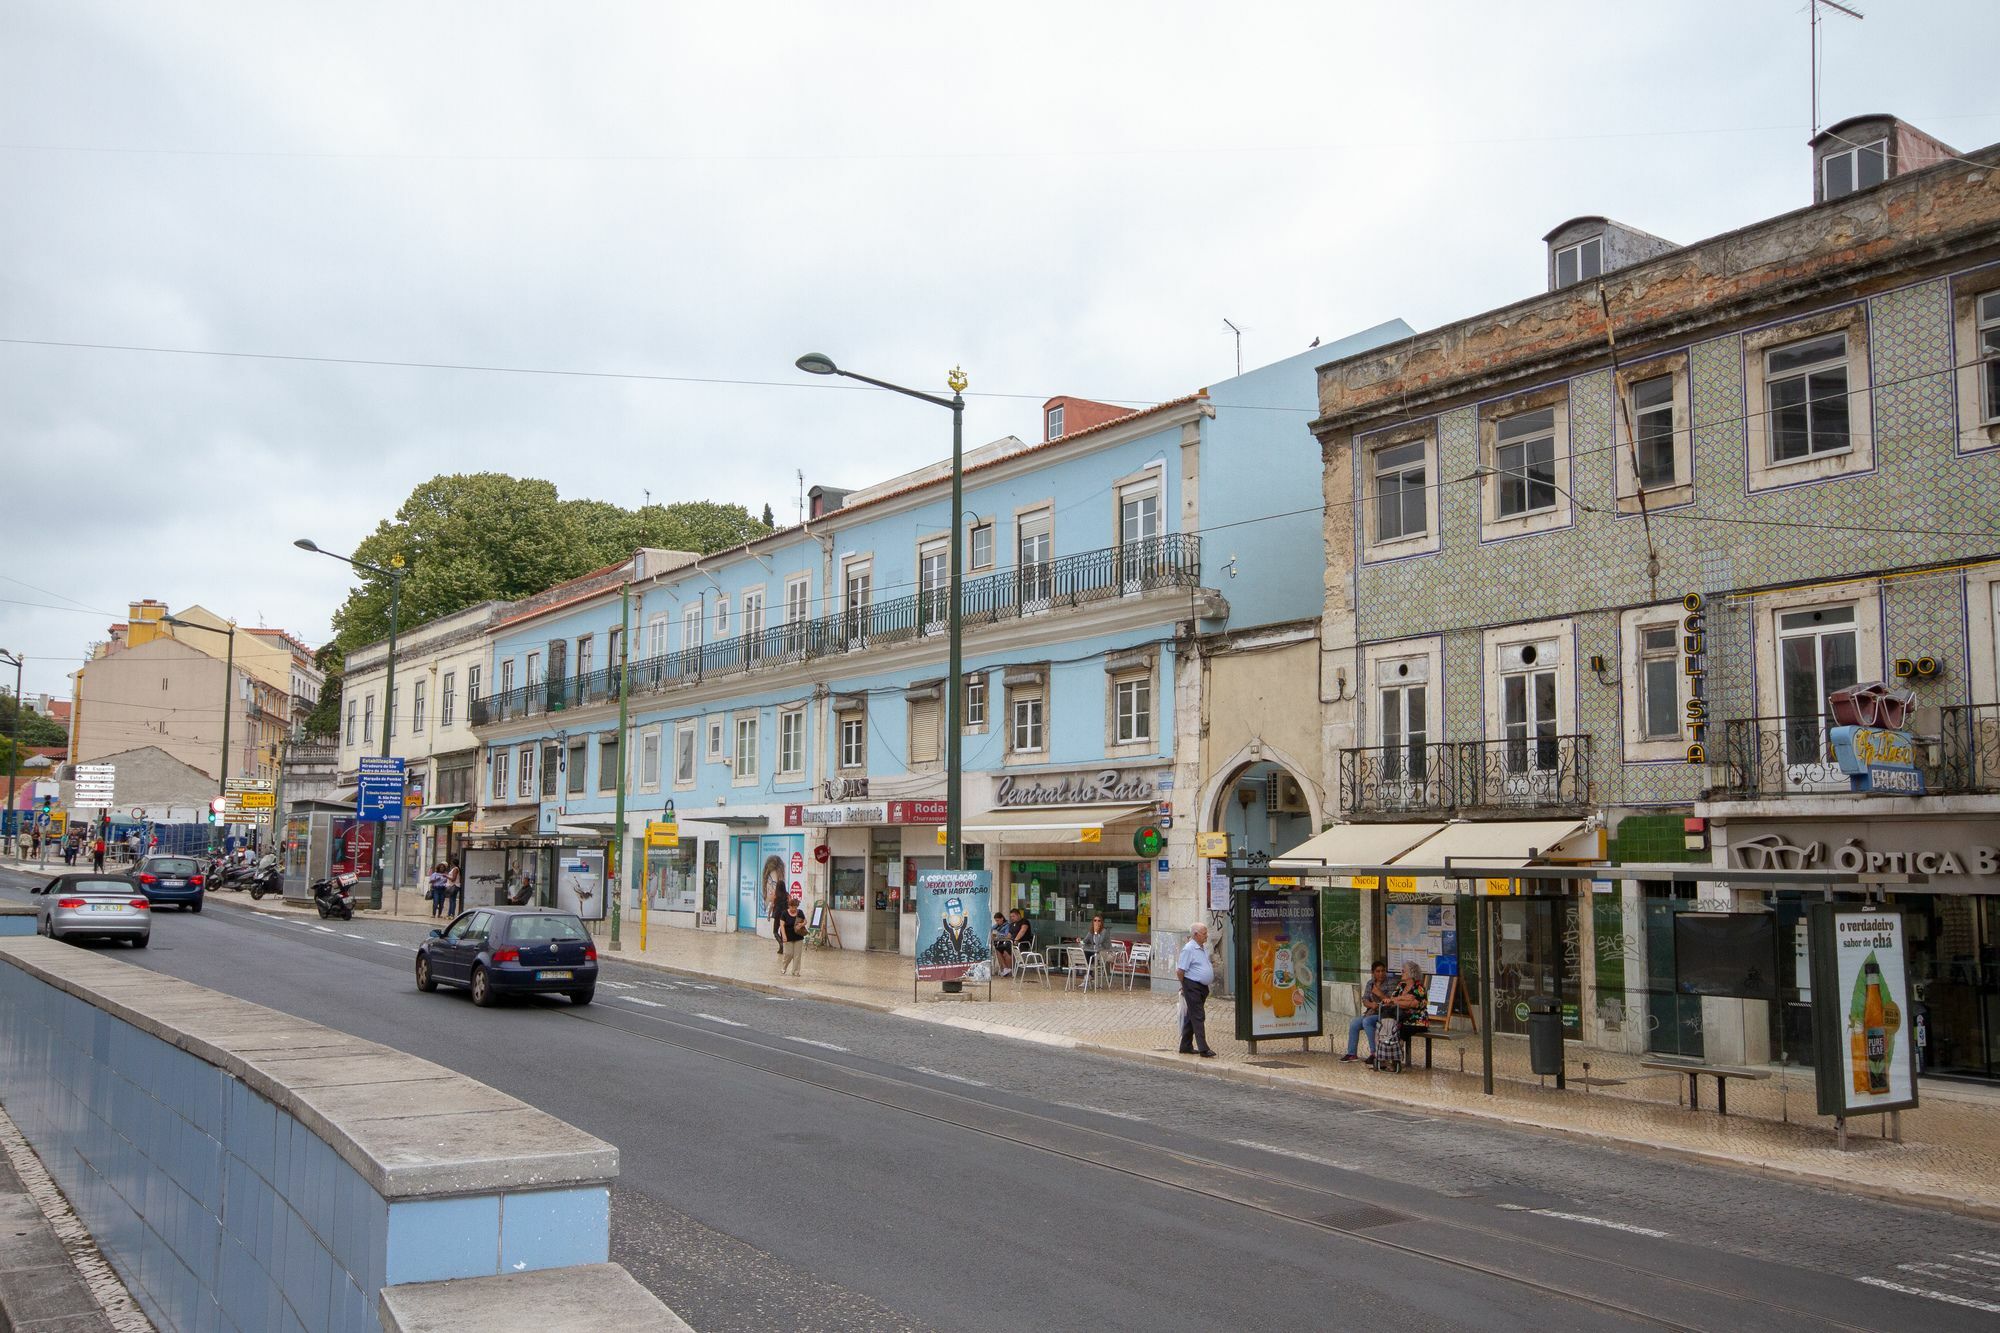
x: 378, y: 795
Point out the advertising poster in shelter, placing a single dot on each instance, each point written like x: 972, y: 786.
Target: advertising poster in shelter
x: 1866, y: 1056
x: 952, y: 921
x: 1277, y: 947
x: 580, y: 882
x: 353, y: 850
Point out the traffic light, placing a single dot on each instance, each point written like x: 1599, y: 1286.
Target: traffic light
x: 215, y: 808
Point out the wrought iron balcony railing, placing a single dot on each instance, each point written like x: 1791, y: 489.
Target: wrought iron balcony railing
x: 1524, y: 773
x: 1773, y: 757
x: 1071, y: 581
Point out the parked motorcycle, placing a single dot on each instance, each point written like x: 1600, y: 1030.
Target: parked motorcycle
x: 266, y: 879
x: 334, y: 896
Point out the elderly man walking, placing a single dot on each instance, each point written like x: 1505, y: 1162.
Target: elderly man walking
x: 1196, y: 974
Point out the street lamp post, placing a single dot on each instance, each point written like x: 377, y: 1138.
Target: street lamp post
x: 14, y: 763
x: 817, y: 363
x: 394, y: 573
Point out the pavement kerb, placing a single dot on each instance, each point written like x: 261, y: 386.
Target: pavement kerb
x: 1953, y: 1203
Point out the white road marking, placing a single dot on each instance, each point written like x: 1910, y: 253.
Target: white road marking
x: 823, y: 1045
x: 1099, y: 1110
x: 1588, y: 1221
x: 955, y: 1078
x: 391, y: 944
x: 1943, y: 1272
x: 1289, y: 1152
x: 633, y: 999
x: 1980, y: 1257
x: 328, y: 929
x: 726, y: 1022
x: 1949, y: 1298
x: 350, y: 934
x: 616, y: 985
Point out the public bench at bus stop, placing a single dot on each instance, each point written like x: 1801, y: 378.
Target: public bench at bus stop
x: 1720, y: 1073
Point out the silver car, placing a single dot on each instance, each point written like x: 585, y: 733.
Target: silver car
x: 86, y: 906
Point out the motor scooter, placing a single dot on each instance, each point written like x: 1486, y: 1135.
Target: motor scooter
x: 266, y: 879
x: 334, y: 896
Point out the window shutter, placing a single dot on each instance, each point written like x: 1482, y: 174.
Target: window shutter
x: 924, y: 731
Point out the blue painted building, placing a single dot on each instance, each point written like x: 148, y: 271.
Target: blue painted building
x: 788, y: 696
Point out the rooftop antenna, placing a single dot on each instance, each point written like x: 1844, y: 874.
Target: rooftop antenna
x: 1239, y: 344
x: 1812, y: 10
x: 802, y: 495
x: 647, y: 492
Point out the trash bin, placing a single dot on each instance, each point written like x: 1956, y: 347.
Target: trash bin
x: 1545, y: 1035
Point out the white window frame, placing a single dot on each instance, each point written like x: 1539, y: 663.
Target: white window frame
x: 1132, y: 708
x: 1532, y: 784
x: 857, y: 596
x: 743, y: 757
x: 353, y: 720
x: 691, y: 619
x: 1852, y: 157
x: 1975, y: 323
x: 1524, y: 431
x: 534, y: 669
x: 934, y: 580
x: 499, y: 769
x: 1376, y: 545
x: 718, y: 740
x: 973, y: 562
x: 585, y: 660
x: 750, y: 623
x: 791, y: 755
x: 1034, y: 556
x: 1396, y: 677
x: 395, y: 697
x: 1831, y: 359
x: 977, y: 701
x: 524, y: 766
x: 1765, y: 473
x: 851, y: 728
x: 1052, y: 422
x: 684, y: 754
x: 721, y: 619
x: 448, y: 701
x: 472, y: 675
x: 649, y: 759
x: 1028, y: 719
x: 1381, y: 472
x: 614, y: 742
x: 1493, y: 417
x: 1576, y: 251
x: 1680, y: 489
x: 368, y: 718
x: 656, y: 634
x: 1632, y: 627
x: 417, y: 702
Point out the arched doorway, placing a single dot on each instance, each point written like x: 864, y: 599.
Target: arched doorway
x: 1263, y: 807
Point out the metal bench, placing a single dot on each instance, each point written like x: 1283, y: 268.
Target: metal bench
x: 1720, y: 1073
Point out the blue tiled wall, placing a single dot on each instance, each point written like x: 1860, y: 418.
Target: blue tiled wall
x: 222, y: 1211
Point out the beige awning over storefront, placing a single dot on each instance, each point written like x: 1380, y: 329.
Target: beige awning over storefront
x: 1497, y: 846
x: 1052, y: 823
x: 1357, y: 845
x: 1438, y: 858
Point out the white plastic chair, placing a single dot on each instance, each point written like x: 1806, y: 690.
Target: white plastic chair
x: 1138, y: 959
x: 1081, y: 968
x: 1030, y: 960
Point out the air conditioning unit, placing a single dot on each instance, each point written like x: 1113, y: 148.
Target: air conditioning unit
x: 1284, y: 796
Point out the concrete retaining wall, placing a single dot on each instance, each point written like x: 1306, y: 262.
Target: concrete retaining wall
x: 247, y: 1170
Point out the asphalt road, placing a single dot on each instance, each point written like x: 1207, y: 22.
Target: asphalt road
x: 793, y: 1164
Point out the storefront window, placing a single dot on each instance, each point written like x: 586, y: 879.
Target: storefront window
x: 670, y: 877
x: 1060, y: 897
x: 711, y: 875
x: 849, y: 883
x: 1536, y: 945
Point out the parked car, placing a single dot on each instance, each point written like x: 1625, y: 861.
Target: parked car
x: 109, y: 907
x: 496, y: 951
x: 173, y: 881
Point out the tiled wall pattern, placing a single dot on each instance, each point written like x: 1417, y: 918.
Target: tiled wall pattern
x: 1597, y: 566
x: 221, y: 1211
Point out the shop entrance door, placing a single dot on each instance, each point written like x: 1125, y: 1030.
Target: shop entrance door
x: 1673, y: 1020
x: 1955, y: 964
x: 1530, y: 960
x: 747, y: 866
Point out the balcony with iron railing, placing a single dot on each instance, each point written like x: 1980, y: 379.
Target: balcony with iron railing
x: 1770, y: 758
x: 1130, y: 570
x: 1545, y: 774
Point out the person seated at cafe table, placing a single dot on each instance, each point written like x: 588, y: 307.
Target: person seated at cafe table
x: 1374, y: 999
x: 1096, y: 941
x: 1020, y: 932
x: 1002, y: 941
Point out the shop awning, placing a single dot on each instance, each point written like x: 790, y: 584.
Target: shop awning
x: 1358, y: 845
x: 1052, y: 823
x: 525, y: 824
x: 1494, y: 846
x: 433, y: 815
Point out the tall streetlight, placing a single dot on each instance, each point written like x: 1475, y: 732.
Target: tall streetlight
x: 818, y: 363
x: 228, y: 691
x: 393, y: 573
x: 14, y: 764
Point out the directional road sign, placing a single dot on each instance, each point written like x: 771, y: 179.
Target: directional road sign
x: 378, y: 793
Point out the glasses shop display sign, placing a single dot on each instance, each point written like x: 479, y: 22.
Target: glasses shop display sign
x: 1870, y: 742
x: 1277, y: 947
x: 1864, y: 1052
x: 952, y: 917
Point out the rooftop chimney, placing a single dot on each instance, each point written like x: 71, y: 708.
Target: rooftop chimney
x: 824, y: 500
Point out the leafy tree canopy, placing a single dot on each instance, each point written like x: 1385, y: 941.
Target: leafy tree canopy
x: 35, y: 729
x: 481, y: 536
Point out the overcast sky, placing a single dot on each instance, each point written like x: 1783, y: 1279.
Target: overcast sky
x: 1064, y: 198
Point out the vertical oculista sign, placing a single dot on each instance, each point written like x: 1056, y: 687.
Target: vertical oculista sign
x: 1864, y: 1047
x: 1277, y: 947
x: 952, y: 924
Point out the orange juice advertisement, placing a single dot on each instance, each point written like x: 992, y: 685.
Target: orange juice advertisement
x: 1282, y: 940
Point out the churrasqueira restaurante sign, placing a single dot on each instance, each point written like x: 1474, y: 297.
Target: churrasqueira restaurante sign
x: 1096, y: 787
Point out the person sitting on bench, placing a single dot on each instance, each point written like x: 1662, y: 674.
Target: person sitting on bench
x: 1374, y: 996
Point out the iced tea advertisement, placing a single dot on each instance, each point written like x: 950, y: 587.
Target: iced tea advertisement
x: 1278, y: 949
x: 1861, y: 1015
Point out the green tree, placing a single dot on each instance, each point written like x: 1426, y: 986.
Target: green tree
x: 35, y: 729
x: 769, y: 522
x: 472, y: 537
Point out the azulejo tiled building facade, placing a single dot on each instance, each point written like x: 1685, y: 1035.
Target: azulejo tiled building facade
x: 1787, y: 433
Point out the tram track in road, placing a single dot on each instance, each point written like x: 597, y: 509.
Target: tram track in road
x: 1343, y: 1215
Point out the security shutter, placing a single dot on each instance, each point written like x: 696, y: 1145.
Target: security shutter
x: 924, y: 728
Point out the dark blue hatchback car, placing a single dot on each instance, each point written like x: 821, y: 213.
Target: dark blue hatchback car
x: 496, y: 951
x: 171, y: 881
